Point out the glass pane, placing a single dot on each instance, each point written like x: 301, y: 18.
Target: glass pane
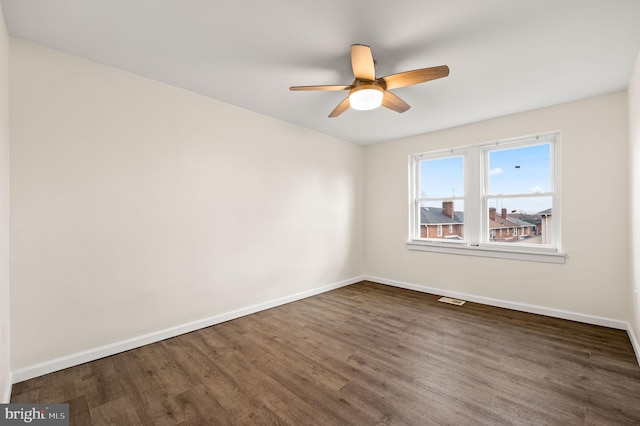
x: 442, y: 177
x: 442, y: 220
x: 521, y: 220
x: 524, y: 170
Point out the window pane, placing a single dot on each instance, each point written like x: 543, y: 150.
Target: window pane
x: 526, y: 220
x: 442, y: 220
x: 442, y: 177
x: 524, y: 170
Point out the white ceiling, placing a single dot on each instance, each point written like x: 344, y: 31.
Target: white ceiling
x: 505, y: 56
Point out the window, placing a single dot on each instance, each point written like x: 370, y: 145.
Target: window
x: 482, y: 190
x: 440, y: 196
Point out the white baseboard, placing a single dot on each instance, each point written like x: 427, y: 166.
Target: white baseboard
x: 6, y: 396
x: 71, y: 360
x: 516, y: 306
x: 634, y: 341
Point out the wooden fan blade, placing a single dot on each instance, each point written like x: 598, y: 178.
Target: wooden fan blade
x: 409, y: 78
x: 342, y: 107
x: 391, y: 101
x: 319, y: 87
x: 362, y: 62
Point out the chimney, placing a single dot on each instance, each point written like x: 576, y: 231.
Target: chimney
x: 447, y: 208
x: 504, y: 213
x: 492, y: 213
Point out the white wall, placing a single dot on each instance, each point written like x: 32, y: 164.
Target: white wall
x: 138, y: 206
x: 594, y: 280
x: 4, y: 212
x: 634, y: 138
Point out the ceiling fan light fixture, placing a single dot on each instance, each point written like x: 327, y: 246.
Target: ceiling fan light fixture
x: 368, y: 92
x: 366, y: 97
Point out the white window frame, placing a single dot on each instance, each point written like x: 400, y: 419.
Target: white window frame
x: 477, y: 241
x: 439, y: 230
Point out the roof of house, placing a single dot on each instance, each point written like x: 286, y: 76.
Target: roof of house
x: 509, y: 222
x: 434, y: 216
x: 518, y: 222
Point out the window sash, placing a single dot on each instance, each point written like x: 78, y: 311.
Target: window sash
x: 418, y: 199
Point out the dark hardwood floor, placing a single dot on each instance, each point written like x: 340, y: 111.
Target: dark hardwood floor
x: 362, y: 355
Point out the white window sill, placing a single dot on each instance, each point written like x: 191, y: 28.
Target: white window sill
x: 498, y: 252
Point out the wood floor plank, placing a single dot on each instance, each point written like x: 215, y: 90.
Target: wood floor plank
x: 362, y: 354
x: 237, y: 405
x: 119, y: 411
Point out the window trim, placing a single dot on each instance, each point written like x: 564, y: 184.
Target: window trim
x: 499, y: 252
x: 476, y: 175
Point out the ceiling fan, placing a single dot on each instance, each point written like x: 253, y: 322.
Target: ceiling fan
x: 368, y: 92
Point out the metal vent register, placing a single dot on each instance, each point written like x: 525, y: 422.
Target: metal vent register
x: 451, y: 301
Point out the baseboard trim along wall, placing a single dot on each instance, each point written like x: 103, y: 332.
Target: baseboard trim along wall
x: 61, y: 363
x: 634, y: 341
x: 516, y: 306
x: 6, y: 397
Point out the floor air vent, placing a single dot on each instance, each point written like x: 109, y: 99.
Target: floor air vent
x: 451, y: 301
